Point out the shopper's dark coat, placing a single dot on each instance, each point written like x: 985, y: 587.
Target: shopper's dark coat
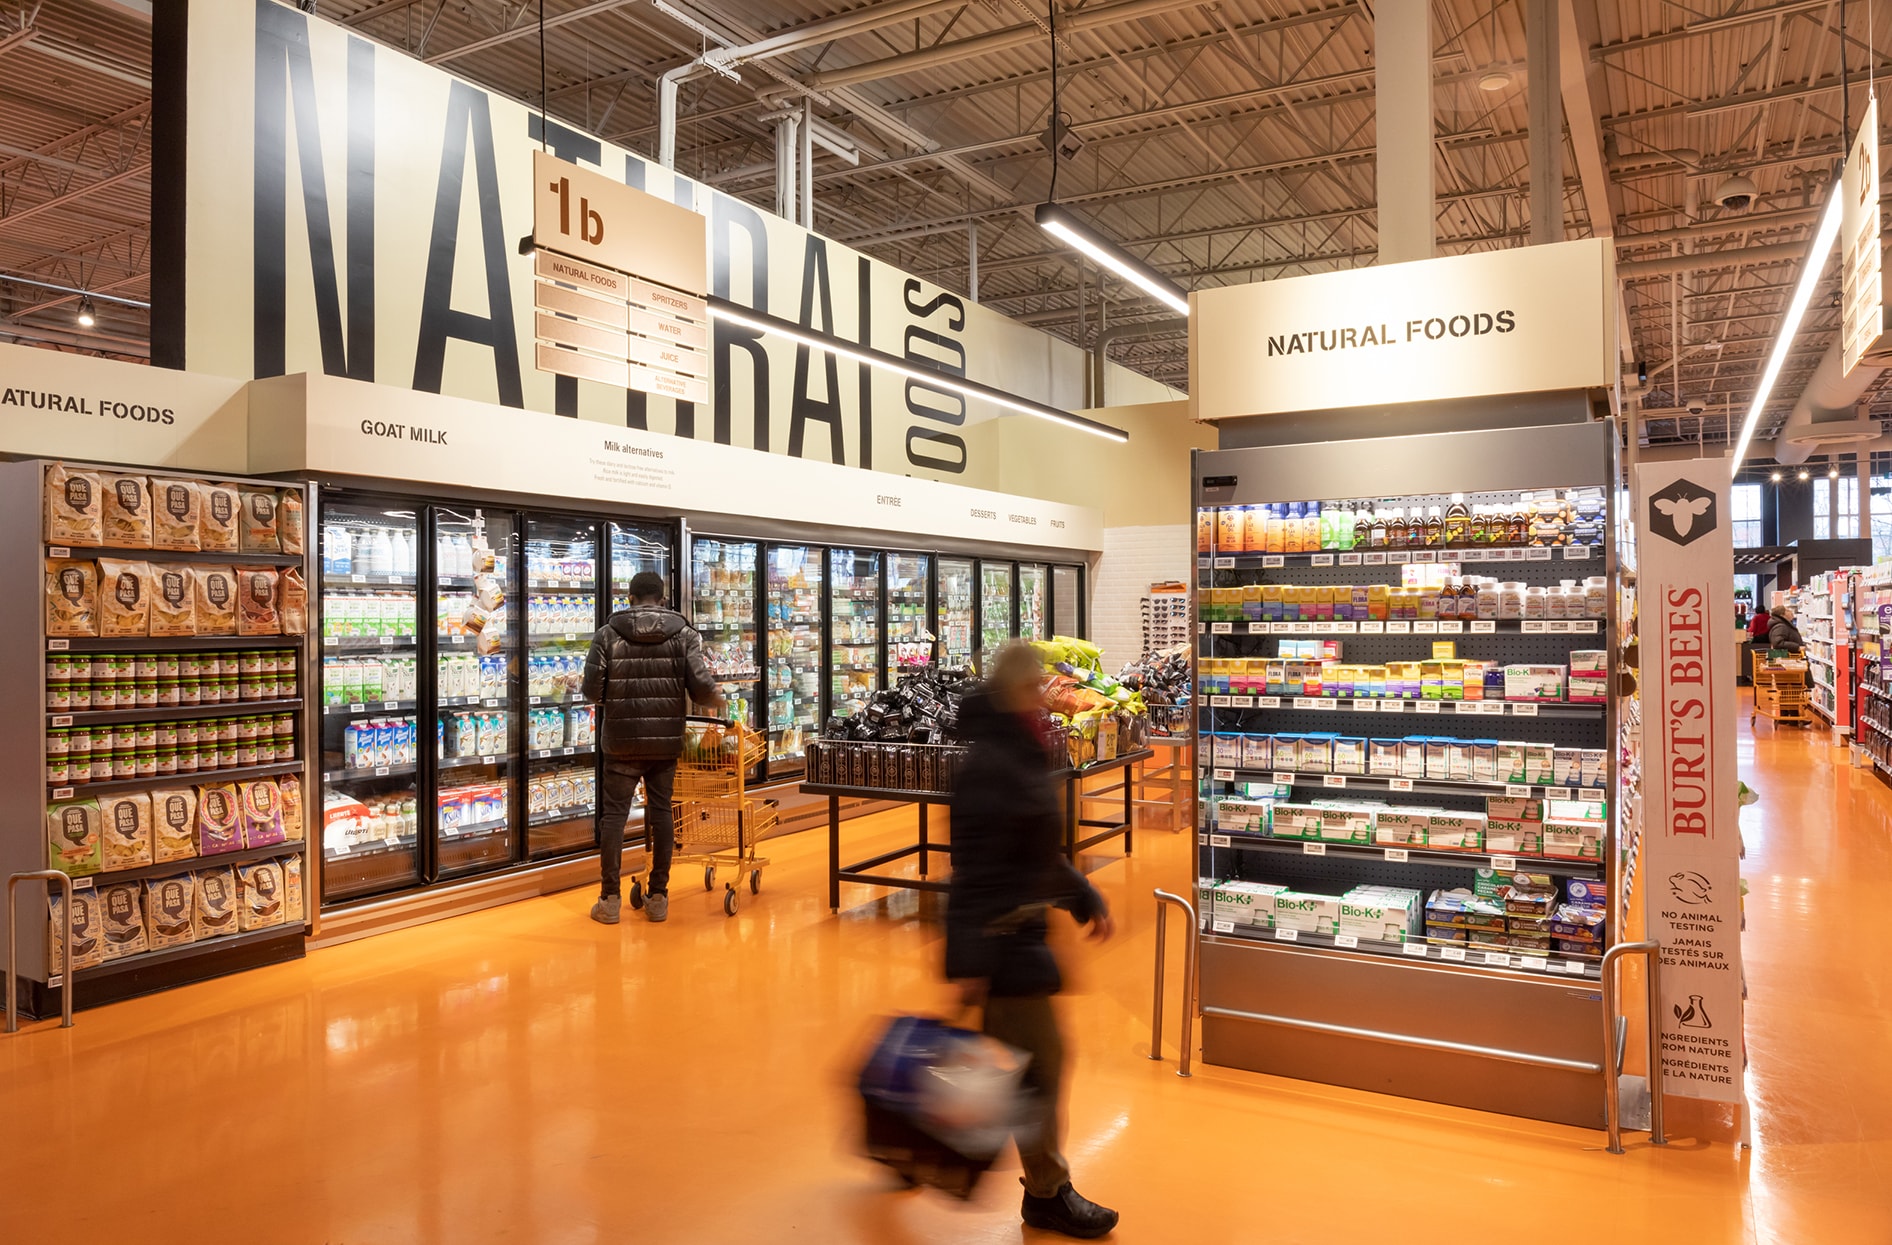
x: 644, y: 667
x: 1007, y: 854
x: 1781, y: 633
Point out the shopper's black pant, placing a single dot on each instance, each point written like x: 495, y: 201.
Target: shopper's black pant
x: 620, y: 789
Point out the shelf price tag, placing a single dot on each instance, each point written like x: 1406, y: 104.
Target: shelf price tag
x: 1271, y: 560
x: 62, y: 719
x: 1372, y: 628
x: 60, y: 646
x: 1451, y: 626
x: 1504, y: 864
x: 1588, y: 628
x: 1425, y: 628
x: 1327, y: 706
x: 1222, y: 927
x: 1557, y: 793
x: 1345, y: 628
x: 1399, y: 628
x: 1281, y: 779
x: 358, y: 708
x: 1417, y: 950
x: 1267, y: 702
x: 1399, y: 784
x: 1375, y: 559
x: 1538, y: 962
x: 1333, y: 780
x: 1218, y: 840
x: 381, y: 771
x: 1484, y: 627
x: 62, y: 793
x: 1497, y: 959
x: 1573, y: 967
x: 1534, y: 626
x: 1590, y: 797
x: 1281, y: 628
x: 1321, y: 559
x: 1456, y: 954
x: 1347, y: 941
x: 1202, y: 628
x: 1242, y: 702
x: 1396, y: 856
x: 1282, y: 934
x: 1392, y: 706
x: 1537, y: 554
x: 1398, y: 557
x: 1518, y: 790
x: 1224, y: 775
x: 1364, y: 706
x: 1303, y: 702
x: 1218, y: 702
x: 1576, y: 553
x: 1222, y: 628
x: 1225, y: 564
x: 1426, y: 555
x: 1313, y: 849
x: 1349, y: 559
x: 1487, y: 706
x: 1303, y: 628
x: 1427, y: 706
x: 1524, y: 711
x: 1257, y: 628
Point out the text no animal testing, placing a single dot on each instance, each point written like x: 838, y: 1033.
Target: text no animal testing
x: 1432, y: 328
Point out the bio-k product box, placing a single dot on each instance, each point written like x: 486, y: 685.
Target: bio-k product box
x: 1311, y: 914
x: 1510, y: 762
x: 1295, y: 821
x: 1456, y: 831
x: 1242, y: 817
x: 1539, y: 763
x: 1344, y: 824
x: 1513, y: 808
x: 1574, y: 840
x: 1402, y: 827
x: 1524, y: 682
x: 1248, y: 904
x: 1382, y: 914
x: 1521, y: 837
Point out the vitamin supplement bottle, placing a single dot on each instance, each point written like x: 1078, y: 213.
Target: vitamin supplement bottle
x: 1479, y: 532
x: 1362, y: 525
x: 1518, y: 522
x: 1435, y: 529
x: 1398, y: 531
x: 1380, y: 523
x: 1458, y: 521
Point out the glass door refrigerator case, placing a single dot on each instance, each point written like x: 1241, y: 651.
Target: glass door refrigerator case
x: 955, y: 612
x: 635, y: 549
x: 1066, y: 585
x: 909, y: 618
x: 723, y: 609
x: 561, y: 611
x: 996, y: 624
x: 794, y: 652
x: 854, y: 629
x: 370, y: 668
x: 476, y: 656
x: 1034, y: 620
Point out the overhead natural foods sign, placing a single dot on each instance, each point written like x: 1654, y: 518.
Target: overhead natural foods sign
x: 1527, y: 320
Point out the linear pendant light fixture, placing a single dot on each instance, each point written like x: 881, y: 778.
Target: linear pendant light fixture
x: 722, y: 309
x: 1811, y: 267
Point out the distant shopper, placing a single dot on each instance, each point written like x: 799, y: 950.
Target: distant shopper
x: 1757, y: 626
x: 1009, y: 870
x: 645, y: 667
x: 1781, y: 631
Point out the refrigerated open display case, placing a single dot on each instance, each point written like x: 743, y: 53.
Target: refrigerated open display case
x: 793, y: 673
x: 1033, y: 602
x: 854, y: 628
x: 723, y: 606
x: 997, y: 615
x: 909, y: 613
x: 955, y: 608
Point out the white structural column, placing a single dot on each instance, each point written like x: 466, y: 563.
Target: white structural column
x: 1546, y: 112
x: 1402, y: 65
x: 1864, y: 463
x: 807, y: 163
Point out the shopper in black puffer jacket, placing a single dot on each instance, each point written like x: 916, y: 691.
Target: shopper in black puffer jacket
x: 1009, y: 870
x: 645, y: 667
x: 1782, y: 632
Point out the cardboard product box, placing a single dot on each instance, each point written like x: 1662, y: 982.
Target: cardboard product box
x: 1383, y: 913
x: 1527, y: 682
x: 1596, y: 768
x: 1523, y: 838
x: 1412, y: 757
x: 1461, y: 909
x: 1527, y: 942
x: 1271, y: 603
x: 1287, y: 753
x: 1530, y: 903
x: 1349, y: 755
x: 1573, y: 840
x: 1490, y: 940
x: 1438, y: 758
x: 1566, y: 767
x: 1431, y: 680
x: 1538, y: 763
x: 1257, y: 752
x: 1591, y: 661
x: 1576, y: 810
x: 1382, y: 757
x: 1588, y: 689
x: 1514, y: 808
x: 1235, y: 816
x: 1458, y: 760
x: 1484, y: 760
x: 1566, y: 946
x: 1248, y: 904
x: 1226, y: 750
x: 1456, y: 831
x: 1587, y: 894
x: 1294, y: 821
x: 1579, y: 924
x: 1317, y: 754
x: 1402, y: 827
x: 1205, y: 898
x: 1445, y: 936
x: 1346, y: 823
x: 1492, y: 884
x: 1510, y: 762
x: 1309, y: 913
x: 1275, y: 674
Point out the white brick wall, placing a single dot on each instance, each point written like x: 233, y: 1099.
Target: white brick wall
x: 1133, y: 559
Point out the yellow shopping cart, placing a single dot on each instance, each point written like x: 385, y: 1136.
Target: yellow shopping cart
x: 717, y: 823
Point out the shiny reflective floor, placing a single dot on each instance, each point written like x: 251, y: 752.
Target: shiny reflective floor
x: 526, y: 1075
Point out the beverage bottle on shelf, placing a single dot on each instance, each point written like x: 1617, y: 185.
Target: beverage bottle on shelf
x: 1295, y: 536
x: 1435, y: 529
x: 1254, y: 528
x: 1310, y: 527
x: 400, y: 554
x: 1481, y: 525
x: 1362, y: 525
x: 1380, y: 524
x: 1343, y: 525
x: 1396, y: 530
x: 1458, y: 521
x: 1274, y: 529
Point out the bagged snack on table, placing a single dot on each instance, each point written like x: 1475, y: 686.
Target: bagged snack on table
x: 289, y: 520
x: 72, y: 598
x: 258, y: 610
x: 125, y: 830
x: 217, y: 518
x: 73, y: 840
x: 215, y: 913
x: 169, y: 909
x: 73, y: 506
x: 88, y: 944
x: 217, y: 818
x: 175, y: 506
x: 124, y: 598
x: 259, y: 812
x: 173, y: 824
x: 260, y: 898
x: 123, y: 910
x: 126, y: 511
x: 261, y: 524
x: 173, y: 600
x: 216, y: 599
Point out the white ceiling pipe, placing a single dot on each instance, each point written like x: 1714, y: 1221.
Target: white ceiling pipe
x: 1828, y: 397
x: 1711, y: 259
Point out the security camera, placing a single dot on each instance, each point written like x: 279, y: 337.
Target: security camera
x: 1738, y: 193
x: 1696, y: 406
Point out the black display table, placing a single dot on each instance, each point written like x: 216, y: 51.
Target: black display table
x: 1074, y: 823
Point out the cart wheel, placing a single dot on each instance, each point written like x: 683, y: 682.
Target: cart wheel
x: 755, y: 882
x: 709, y: 877
x: 637, y: 895
x: 729, y: 902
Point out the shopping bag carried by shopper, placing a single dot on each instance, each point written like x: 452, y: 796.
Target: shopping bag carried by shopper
x: 939, y: 1102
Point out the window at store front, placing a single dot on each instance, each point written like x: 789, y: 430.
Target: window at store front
x: 1747, y: 517
x: 1745, y: 586
x: 1881, y: 517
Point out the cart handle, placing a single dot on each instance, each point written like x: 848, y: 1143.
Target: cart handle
x: 709, y: 721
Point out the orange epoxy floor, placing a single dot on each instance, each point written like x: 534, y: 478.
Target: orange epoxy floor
x: 526, y: 1075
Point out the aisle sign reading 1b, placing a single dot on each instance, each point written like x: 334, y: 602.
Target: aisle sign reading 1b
x: 621, y: 279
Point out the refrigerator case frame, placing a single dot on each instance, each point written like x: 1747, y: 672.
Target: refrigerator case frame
x: 939, y: 605
x: 827, y: 625
x: 792, y: 767
x: 1509, y: 1039
x: 929, y: 580
x: 979, y: 566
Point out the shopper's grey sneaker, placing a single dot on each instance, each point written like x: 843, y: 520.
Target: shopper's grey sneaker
x: 1069, y: 1213
x: 656, y: 906
x: 605, y: 911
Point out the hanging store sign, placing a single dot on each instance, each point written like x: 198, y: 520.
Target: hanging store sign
x: 1527, y: 320
x: 327, y: 204
x: 73, y: 406
x: 1691, y: 842
x: 1862, y: 284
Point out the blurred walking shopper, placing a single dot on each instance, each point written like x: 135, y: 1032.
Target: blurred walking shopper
x: 645, y: 667
x: 1009, y: 870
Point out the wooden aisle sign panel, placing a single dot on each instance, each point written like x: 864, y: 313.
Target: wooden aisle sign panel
x: 620, y: 279
x: 1691, y: 876
x: 1862, y: 293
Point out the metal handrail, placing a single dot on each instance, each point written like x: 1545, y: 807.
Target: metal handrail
x: 13, y: 948
x: 1191, y: 954
x: 1612, y: 1069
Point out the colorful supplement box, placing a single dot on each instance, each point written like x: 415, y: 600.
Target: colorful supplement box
x: 1349, y: 755
x: 1287, y: 752
x: 1596, y: 768
x: 1257, y: 752
x: 1382, y: 757
x: 1484, y: 760
x: 1566, y: 767
x: 1526, y: 682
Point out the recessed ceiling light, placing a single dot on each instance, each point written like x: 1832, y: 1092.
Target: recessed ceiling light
x: 1805, y: 475
x: 1496, y: 80
x: 1775, y: 477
